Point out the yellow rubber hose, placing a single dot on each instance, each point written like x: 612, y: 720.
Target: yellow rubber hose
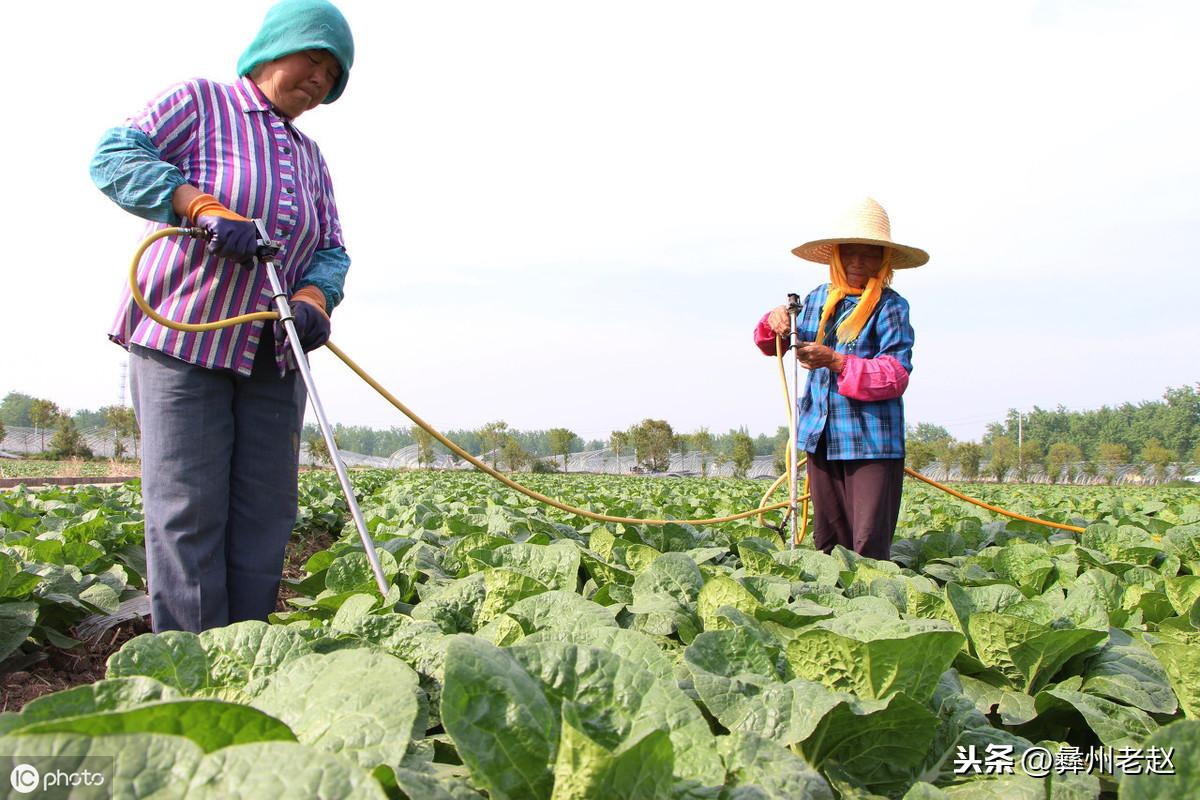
x: 406, y: 411
x: 913, y: 473
x: 140, y: 299
x: 989, y: 507
x: 767, y: 496
x: 791, y: 451
x: 762, y: 505
x: 804, y: 509
x: 790, y: 461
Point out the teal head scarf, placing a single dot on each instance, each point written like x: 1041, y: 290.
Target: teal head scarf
x: 292, y: 26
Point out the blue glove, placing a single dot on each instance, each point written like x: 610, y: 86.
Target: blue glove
x: 230, y: 238
x: 230, y: 235
x: 312, y: 326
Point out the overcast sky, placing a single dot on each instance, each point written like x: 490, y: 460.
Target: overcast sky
x: 573, y: 214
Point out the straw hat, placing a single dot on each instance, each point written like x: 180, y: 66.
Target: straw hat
x: 864, y: 223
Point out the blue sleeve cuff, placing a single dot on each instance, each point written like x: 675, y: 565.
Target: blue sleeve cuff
x: 130, y: 171
x: 327, y: 272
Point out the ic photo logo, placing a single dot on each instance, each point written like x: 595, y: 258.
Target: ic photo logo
x: 25, y: 778
x: 87, y: 778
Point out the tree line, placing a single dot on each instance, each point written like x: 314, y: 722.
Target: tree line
x: 385, y: 441
x: 1061, y: 442
x: 1067, y: 444
x: 650, y: 443
x: 539, y: 443
x: 65, y: 429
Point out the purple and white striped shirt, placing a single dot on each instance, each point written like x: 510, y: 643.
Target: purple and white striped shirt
x: 227, y: 141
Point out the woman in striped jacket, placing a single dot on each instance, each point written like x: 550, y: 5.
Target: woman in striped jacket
x: 221, y: 411
x: 856, y: 341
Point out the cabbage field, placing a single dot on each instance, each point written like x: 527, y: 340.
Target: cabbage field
x: 524, y: 653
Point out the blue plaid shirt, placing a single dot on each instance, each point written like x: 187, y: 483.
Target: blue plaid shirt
x: 854, y: 428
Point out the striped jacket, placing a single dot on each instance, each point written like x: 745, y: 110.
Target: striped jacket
x: 225, y: 140
x: 854, y: 429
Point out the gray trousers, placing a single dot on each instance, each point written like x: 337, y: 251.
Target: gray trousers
x: 220, y: 454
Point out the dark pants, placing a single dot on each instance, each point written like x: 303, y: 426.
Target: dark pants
x: 219, y: 460
x: 855, y: 503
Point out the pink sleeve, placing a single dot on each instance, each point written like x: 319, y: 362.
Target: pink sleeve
x: 872, y: 378
x: 764, y: 337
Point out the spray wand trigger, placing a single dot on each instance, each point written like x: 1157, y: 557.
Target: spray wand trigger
x: 795, y: 308
x: 268, y: 249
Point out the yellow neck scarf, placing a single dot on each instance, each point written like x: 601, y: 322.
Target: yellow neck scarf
x: 839, y: 288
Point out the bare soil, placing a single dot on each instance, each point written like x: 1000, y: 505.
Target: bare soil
x: 299, y: 549
x: 85, y: 663
x: 62, y: 669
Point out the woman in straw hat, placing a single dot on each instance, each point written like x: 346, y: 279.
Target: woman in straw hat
x: 221, y: 411
x: 856, y: 340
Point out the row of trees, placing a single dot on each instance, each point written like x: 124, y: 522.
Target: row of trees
x: 65, y: 441
x: 44, y: 416
x: 539, y: 443
x: 1063, y: 443
x: 652, y: 441
x: 383, y: 442
x: 506, y: 446
x: 494, y: 440
x: 1067, y: 444
x: 999, y: 454
x: 1173, y: 422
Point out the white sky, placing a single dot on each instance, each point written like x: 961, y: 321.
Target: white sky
x: 573, y: 214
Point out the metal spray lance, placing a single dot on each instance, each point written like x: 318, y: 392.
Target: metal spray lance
x: 795, y: 309
x: 268, y: 252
